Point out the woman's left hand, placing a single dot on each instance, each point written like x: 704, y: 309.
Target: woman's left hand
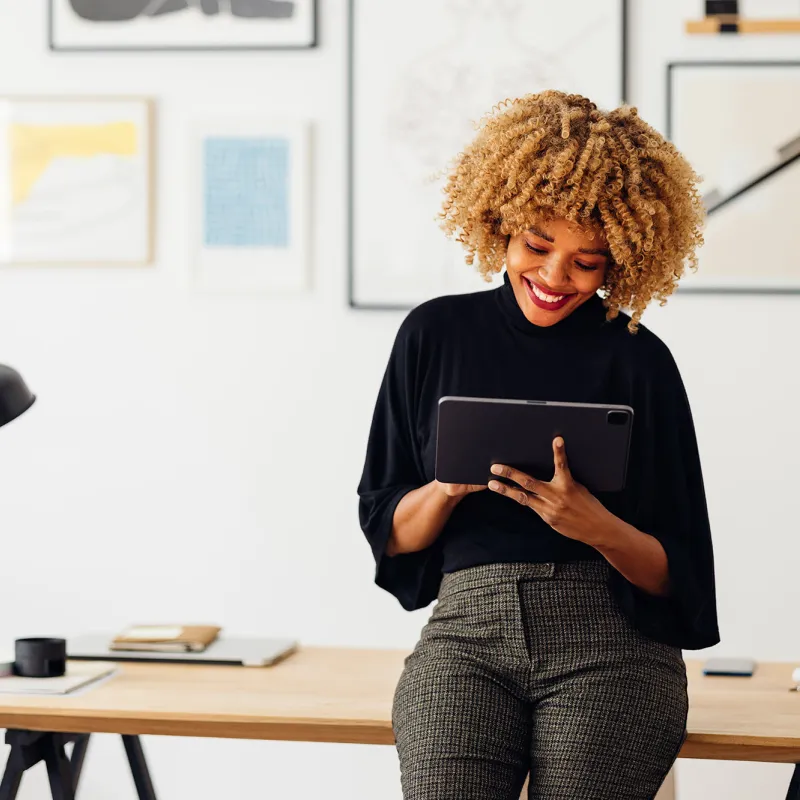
x: 563, y: 503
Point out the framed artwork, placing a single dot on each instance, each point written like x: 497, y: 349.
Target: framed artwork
x: 79, y: 184
x: 182, y: 24
x: 420, y: 75
x: 251, y: 205
x: 722, y: 116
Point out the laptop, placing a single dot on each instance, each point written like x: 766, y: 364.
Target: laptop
x: 227, y: 650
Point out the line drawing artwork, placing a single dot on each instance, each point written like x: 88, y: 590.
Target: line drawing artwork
x: 418, y: 92
x: 434, y: 117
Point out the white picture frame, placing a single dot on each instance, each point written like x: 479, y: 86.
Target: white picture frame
x: 420, y: 75
x: 76, y: 181
x: 750, y: 184
x: 250, y: 205
x: 102, y: 25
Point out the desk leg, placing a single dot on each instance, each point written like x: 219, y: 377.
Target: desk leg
x: 58, y: 768
x: 794, y: 786
x: 139, y: 770
x: 12, y: 777
x: 77, y: 758
x: 31, y: 747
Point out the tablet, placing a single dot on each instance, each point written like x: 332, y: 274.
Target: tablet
x: 475, y: 432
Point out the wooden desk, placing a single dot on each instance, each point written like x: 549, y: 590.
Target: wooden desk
x: 345, y: 695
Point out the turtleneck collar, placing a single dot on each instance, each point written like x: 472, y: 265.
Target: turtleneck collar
x: 586, y: 318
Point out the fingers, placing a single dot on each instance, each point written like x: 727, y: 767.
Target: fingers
x: 524, y: 498
x: 560, y: 457
x: 525, y: 481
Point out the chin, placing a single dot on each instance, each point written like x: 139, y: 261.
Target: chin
x: 544, y: 319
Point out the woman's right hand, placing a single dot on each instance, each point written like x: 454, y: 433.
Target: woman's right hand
x: 460, y: 489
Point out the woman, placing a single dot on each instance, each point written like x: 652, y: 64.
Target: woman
x: 555, y: 644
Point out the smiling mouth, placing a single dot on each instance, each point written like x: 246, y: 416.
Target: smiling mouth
x: 544, y: 299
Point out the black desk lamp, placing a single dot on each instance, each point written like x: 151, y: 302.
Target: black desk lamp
x: 15, y: 396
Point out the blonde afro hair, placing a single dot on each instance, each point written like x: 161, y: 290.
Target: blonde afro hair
x: 556, y: 155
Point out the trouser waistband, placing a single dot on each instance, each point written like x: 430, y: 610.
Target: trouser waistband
x: 596, y: 571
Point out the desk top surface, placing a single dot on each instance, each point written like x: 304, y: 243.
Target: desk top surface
x: 345, y: 695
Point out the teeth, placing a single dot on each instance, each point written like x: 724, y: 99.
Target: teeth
x: 548, y: 298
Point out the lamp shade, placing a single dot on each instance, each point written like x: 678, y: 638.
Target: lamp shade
x: 15, y: 396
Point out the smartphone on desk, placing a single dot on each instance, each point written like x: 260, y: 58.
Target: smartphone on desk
x: 734, y: 667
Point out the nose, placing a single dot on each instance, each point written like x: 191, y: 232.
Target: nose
x: 554, y: 272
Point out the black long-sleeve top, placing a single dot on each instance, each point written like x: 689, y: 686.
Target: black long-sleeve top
x: 482, y: 345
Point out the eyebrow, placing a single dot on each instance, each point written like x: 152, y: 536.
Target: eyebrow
x: 541, y: 234
x: 589, y: 251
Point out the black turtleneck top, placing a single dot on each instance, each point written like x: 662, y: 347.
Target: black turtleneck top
x: 482, y: 345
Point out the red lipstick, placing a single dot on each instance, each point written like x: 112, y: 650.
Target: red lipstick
x: 544, y: 304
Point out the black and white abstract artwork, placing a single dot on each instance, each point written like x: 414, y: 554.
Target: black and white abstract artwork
x: 181, y: 24
x: 738, y: 123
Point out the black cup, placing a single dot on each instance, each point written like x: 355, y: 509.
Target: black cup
x: 40, y: 658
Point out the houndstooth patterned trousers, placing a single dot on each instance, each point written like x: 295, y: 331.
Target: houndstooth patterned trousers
x: 532, y: 667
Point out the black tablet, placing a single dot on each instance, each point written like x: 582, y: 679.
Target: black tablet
x: 475, y: 432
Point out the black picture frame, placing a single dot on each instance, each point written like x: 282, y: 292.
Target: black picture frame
x: 314, y: 42
x: 350, y: 155
x: 670, y: 71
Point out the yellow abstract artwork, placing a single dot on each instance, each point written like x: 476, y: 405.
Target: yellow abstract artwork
x: 78, y: 184
x: 34, y: 147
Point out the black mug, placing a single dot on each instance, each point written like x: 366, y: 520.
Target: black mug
x: 40, y: 658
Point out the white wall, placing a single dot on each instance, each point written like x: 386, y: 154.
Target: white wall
x: 197, y: 456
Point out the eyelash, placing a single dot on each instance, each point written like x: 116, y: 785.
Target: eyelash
x: 540, y: 252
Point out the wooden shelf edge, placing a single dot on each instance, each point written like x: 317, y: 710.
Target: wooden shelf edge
x: 712, y: 25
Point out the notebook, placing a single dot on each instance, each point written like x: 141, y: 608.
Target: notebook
x: 166, y: 638
x: 234, y: 650
x: 77, y: 675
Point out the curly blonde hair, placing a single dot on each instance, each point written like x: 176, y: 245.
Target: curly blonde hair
x: 556, y: 155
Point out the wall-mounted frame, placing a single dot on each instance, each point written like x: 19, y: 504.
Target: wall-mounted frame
x: 114, y: 25
x: 250, y: 204
x: 722, y: 116
x: 78, y: 190
x: 420, y: 74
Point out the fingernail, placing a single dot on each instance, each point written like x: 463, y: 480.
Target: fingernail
x: 494, y: 485
x: 496, y: 468
x: 559, y: 442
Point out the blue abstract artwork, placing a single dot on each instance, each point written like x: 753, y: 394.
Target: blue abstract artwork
x: 246, y: 191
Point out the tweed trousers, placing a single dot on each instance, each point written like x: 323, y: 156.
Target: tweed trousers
x: 533, y: 668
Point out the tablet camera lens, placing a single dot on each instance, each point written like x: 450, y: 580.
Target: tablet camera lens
x: 617, y: 417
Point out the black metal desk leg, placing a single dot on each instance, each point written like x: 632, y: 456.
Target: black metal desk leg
x: 30, y: 747
x: 794, y: 786
x: 58, y: 768
x: 12, y: 777
x: 77, y: 758
x: 139, y: 770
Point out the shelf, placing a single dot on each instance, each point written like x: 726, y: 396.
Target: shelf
x: 712, y: 25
